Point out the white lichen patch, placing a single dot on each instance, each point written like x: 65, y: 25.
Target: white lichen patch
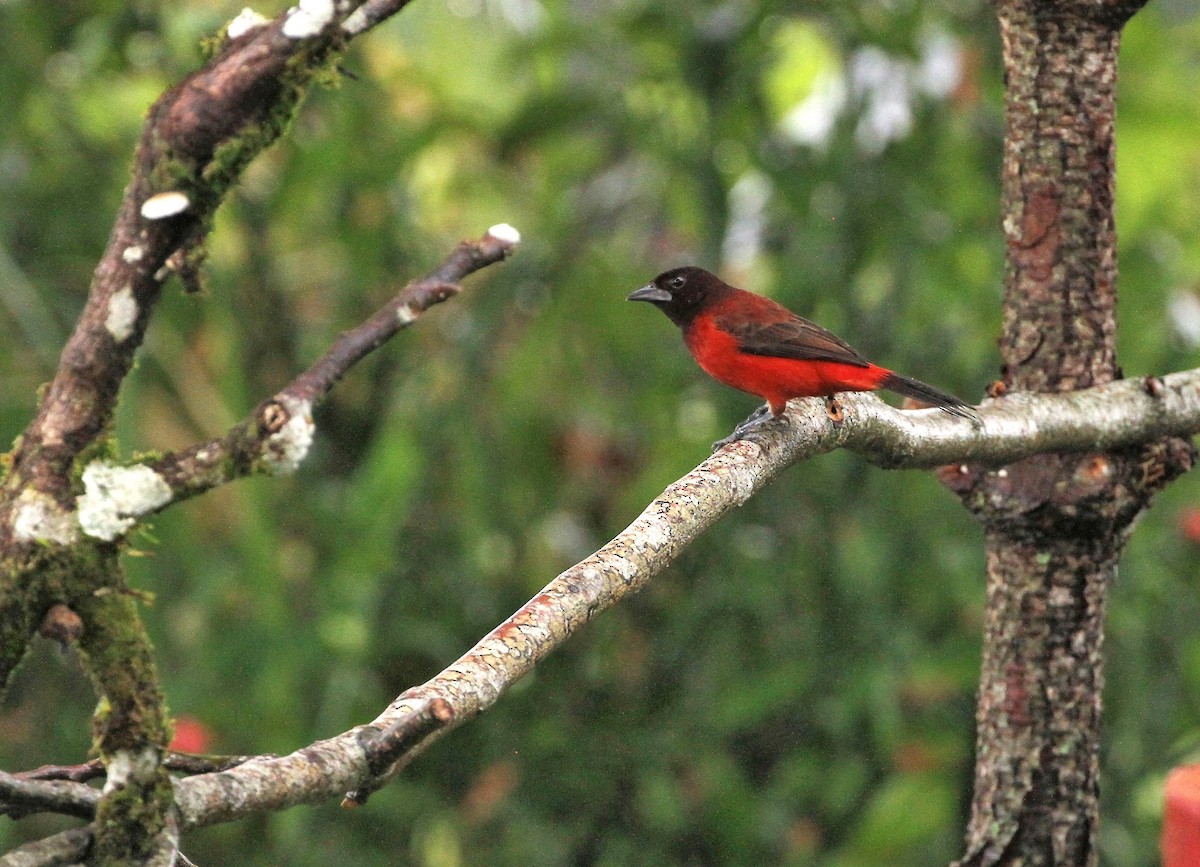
x: 308, y: 18
x: 115, y: 497
x: 356, y: 22
x: 287, y: 447
x: 164, y: 205
x: 506, y: 233
x: 127, y: 765
x: 656, y: 534
x: 37, y: 518
x: 133, y: 254
x: 405, y: 314
x: 122, y: 314
x: 246, y: 21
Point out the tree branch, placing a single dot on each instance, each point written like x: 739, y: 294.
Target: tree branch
x: 1122, y: 413
x: 64, y: 848
x: 20, y: 796
x: 276, y: 435
x: 358, y: 761
x: 197, y: 139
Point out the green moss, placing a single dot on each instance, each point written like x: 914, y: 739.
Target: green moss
x: 130, y: 716
x: 302, y: 70
x: 15, y: 626
x: 6, y: 458
x: 129, y: 819
x: 214, y: 44
x: 121, y: 663
x: 46, y: 574
x: 148, y: 456
x: 206, y: 185
x: 103, y: 448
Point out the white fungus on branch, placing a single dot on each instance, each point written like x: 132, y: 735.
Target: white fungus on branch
x: 115, y: 497
x: 163, y: 205
x: 246, y: 21
x: 308, y: 18
x: 122, y: 314
x: 506, y: 233
x: 286, y: 447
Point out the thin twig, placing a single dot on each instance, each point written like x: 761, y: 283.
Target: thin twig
x: 385, y: 748
x: 89, y: 770
x: 370, y: 14
x: 66, y: 847
x: 21, y: 797
x: 274, y: 436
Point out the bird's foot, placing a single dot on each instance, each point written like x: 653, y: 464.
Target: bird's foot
x: 834, y: 410
x: 756, y: 419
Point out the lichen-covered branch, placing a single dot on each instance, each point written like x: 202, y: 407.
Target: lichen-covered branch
x: 360, y: 760
x: 64, y: 505
x: 276, y: 435
x: 130, y: 728
x: 197, y: 139
x: 66, y: 847
x: 20, y: 795
x: 1113, y: 415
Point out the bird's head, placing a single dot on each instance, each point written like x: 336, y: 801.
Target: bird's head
x: 681, y: 293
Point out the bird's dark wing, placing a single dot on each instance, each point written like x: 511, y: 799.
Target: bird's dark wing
x: 792, y: 337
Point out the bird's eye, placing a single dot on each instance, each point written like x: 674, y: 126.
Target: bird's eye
x: 677, y: 281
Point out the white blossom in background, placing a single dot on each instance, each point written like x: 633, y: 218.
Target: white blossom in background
x: 1183, y: 309
x: 941, y: 68
x: 882, y: 88
x: 565, y: 533
x: 882, y: 85
x: 811, y: 121
x: 747, y: 220
x: 525, y: 16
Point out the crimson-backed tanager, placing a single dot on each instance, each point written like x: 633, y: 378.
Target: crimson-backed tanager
x: 755, y: 345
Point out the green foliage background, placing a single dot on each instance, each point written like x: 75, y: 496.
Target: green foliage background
x: 799, y: 688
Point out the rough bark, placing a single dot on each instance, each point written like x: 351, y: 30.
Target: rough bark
x: 1055, y: 524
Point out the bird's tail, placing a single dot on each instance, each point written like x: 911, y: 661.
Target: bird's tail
x: 926, y: 393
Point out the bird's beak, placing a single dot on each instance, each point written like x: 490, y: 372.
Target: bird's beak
x: 650, y: 292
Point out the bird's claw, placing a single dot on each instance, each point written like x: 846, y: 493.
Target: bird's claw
x: 732, y: 438
x: 756, y: 419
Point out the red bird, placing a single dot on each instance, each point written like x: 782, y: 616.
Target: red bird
x: 760, y: 347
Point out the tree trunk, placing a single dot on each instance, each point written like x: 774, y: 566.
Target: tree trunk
x: 1055, y: 524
